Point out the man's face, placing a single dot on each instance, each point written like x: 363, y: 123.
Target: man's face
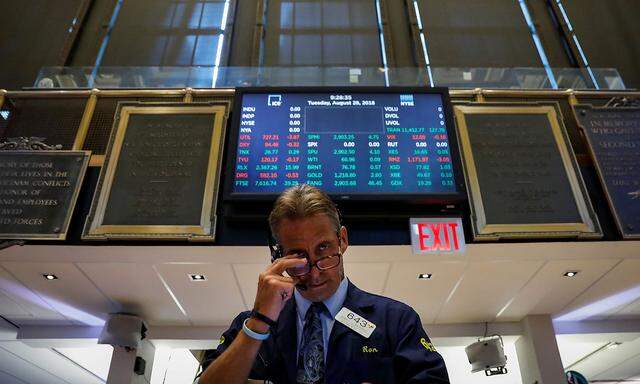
x: 313, y: 237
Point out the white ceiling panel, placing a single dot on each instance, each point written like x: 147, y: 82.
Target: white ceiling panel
x: 6, y: 378
x: 247, y: 275
x: 137, y: 289
x: 27, y: 372
x: 52, y: 362
x: 599, y: 364
x: 631, y: 310
x: 623, y: 371
x: 211, y: 302
x: 370, y: 277
x: 36, y: 308
x: 425, y: 296
x: 72, y: 295
x: 549, y: 291
x: 485, y: 288
x: 609, y: 295
x: 10, y: 309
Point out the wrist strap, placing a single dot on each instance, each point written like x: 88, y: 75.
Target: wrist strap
x: 267, y: 320
x: 252, y: 334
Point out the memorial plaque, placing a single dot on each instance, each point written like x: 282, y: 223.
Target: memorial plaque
x: 38, y: 192
x: 522, y: 176
x: 161, y: 175
x: 613, y: 135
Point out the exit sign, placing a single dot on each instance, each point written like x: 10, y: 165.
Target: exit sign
x: 437, y: 235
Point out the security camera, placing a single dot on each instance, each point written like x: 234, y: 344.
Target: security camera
x: 487, y: 354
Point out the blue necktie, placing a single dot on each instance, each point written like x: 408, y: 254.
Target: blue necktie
x: 311, y: 353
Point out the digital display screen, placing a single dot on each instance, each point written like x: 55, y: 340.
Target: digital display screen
x: 344, y: 143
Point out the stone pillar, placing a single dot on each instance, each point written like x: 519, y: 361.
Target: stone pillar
x: 538, y: 353
x: 123, y: 362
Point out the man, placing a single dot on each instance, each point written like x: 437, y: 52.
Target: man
x: 309, y: 324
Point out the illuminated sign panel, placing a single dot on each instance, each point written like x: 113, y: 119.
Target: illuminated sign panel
x: 437, y: 235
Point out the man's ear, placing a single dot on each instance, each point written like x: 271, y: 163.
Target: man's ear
x: 344, y: 239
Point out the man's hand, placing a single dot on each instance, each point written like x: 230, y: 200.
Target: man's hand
x: 275, y: 289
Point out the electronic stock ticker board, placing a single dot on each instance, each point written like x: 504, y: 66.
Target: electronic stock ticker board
x: 350, y: 143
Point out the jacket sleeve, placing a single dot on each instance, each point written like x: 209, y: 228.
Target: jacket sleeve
x: 225, y: 340
x: 416, y: 360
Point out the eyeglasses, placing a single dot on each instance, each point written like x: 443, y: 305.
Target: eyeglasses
x: 327, y: 258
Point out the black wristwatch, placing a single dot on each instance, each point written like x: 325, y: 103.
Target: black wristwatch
x: 267, y: 320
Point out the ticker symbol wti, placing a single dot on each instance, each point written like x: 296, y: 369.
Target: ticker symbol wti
x: 437, y: 235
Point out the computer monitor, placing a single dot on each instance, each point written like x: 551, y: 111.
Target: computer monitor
x: 354, y: 143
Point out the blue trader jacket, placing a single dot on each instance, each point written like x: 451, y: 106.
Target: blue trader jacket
x: 398, y: 350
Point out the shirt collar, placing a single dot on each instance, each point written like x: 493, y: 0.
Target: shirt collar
x: 333, y: 303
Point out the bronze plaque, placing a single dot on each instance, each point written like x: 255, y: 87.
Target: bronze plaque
x: 161, y: 175
x: 613, y: 135
x: 38, y: 192
x: 522, y: 175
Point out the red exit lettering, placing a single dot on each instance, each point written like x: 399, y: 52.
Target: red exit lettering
x: 439, y: 232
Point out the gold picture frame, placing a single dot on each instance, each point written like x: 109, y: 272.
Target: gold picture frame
x: 205, y: 231
x: 588, y: 227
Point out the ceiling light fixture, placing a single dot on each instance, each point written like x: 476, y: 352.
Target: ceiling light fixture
x: 571, y: 273
x: 50, y: 276
x: 424, y: 276
x: 197, y: 277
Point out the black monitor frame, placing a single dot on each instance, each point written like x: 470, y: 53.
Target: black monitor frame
x: 437, y: 199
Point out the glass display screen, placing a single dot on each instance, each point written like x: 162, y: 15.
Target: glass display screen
x: 344, y: 143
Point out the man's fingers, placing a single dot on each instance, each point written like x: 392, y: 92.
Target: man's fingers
x: 280, y: 279
x: 280, y: 265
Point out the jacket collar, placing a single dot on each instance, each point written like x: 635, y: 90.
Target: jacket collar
x: 357, y: 301
x: 363, y: 304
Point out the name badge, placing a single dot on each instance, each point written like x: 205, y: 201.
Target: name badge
x: 355, y: 322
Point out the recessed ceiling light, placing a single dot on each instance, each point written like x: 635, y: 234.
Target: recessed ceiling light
x: 196, y: 277
x: 425, y: 276
x: 50, y: 276
x: 571, y: 273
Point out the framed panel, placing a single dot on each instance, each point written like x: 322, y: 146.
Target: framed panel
x: 613, y: 137
x: 38, y: 192
x: 522, y: 176
x: 162, y: 172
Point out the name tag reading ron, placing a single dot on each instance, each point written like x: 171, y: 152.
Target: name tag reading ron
x: 355, y: 322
